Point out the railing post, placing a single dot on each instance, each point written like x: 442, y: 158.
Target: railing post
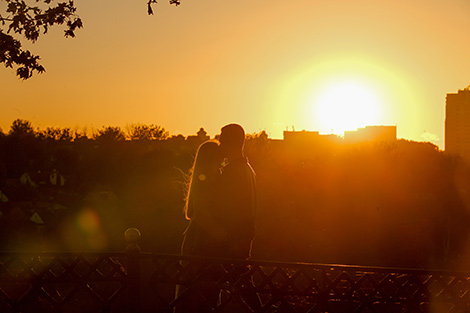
x: 132, y: 236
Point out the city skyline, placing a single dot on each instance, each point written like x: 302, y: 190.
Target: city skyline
x: 268, y: 66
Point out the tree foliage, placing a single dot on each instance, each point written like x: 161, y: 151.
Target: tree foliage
x: 147, y: 132
x: 110, y: 134
x: 21, y: 128
x: 56, y: 134
x: 150, y: 2
x: 29, y: 22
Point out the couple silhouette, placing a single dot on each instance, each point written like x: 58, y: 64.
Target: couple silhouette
x: 221, y: 207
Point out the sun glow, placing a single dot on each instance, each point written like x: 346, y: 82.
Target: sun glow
x: 346, y: 105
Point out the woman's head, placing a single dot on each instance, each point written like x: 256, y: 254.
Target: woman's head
x: 208, y: 159
x: 206, y: 166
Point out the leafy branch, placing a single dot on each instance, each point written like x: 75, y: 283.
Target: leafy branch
x: 30, y: 22
x: 150, y: 2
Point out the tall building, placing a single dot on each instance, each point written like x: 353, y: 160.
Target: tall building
x: 457, y: 123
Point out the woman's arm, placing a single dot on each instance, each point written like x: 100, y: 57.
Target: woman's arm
x: 204, y: 219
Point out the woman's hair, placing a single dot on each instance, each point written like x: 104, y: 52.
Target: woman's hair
x: 206, y: 160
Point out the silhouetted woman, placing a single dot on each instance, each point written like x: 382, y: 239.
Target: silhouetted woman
x: 204, y: 232
x: 203, y: 235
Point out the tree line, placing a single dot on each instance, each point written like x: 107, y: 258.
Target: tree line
x: 397, y: 203
x: 24, y: 128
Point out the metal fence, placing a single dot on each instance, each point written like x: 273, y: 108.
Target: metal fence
x: 144, y: 282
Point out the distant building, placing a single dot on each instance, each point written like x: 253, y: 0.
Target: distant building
x: 457, y: 123
x: 200, y: 137
x: 301, y: 136
x: 309, y: 137
x: 202, y: 134
x: 371, y: 133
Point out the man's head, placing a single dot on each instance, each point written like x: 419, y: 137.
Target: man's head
x: 232, y: 139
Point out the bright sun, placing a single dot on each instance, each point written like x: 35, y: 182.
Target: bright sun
x: 346, y: 105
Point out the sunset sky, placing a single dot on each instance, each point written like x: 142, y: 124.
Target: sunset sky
x: 319, y: 65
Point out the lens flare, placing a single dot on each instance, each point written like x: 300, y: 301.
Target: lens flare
x: 88, y: 221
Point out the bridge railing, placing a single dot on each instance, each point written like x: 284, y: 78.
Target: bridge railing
x: 133, y: 281
x: 257, y: 286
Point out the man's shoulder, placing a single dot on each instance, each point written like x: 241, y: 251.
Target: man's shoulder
x: 240, y: 166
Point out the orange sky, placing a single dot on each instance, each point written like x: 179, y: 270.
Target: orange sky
x: 263, y: 64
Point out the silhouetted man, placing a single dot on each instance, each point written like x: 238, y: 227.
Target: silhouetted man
x: 238, y: 192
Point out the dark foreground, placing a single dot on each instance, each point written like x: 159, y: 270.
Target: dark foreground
x: 144, y: 282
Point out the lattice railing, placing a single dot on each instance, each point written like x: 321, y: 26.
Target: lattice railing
x: 144, y: 282
x: 62, y: 282
x: 294, y: 287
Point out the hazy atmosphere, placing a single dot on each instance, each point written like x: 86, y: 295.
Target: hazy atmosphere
x: 267, y: 65
x: 234, y: 156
